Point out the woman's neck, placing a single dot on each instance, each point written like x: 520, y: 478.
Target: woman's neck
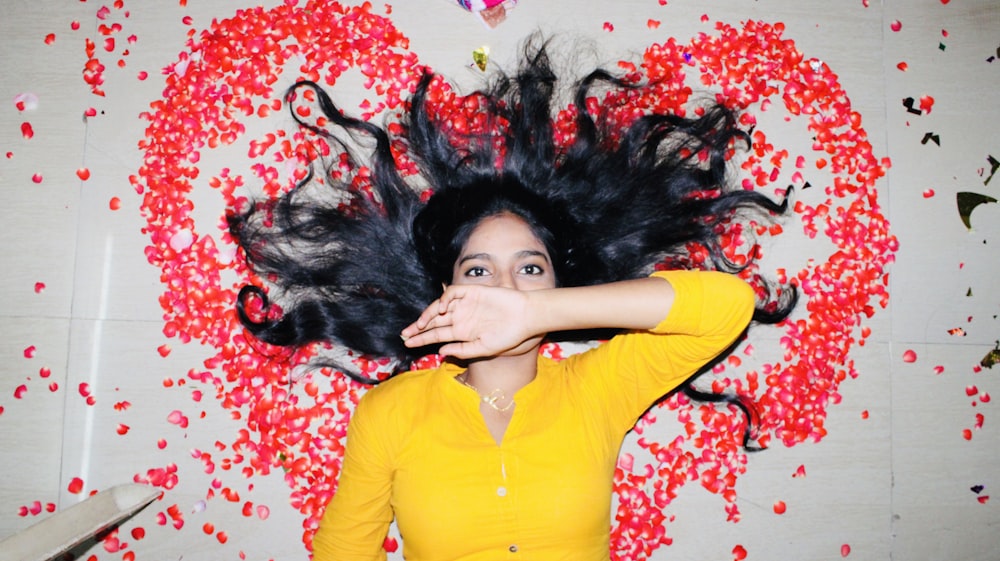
x: 506, y: 373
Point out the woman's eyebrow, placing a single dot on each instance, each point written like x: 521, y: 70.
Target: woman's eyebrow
x: 471, y: 256
x: 532, y: 253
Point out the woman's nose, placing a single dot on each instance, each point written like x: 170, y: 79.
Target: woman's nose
x: 506, y: 280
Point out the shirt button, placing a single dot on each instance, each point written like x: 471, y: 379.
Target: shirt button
x: 513, y: 549
x: 502, y: 491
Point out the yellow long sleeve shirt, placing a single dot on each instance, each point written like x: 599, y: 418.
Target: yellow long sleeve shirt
x: 418, y: 448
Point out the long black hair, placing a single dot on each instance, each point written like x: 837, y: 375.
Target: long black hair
x: 354, y: 265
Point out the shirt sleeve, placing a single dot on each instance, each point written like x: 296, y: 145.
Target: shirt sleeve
x: 357, y: 519
x: 631, y: 371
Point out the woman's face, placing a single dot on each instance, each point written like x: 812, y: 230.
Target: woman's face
x: 503, y: 251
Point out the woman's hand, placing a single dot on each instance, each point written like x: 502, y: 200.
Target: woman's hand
x: 474, y: 321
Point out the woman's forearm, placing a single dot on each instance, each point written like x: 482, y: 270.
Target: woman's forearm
x: 639, y: 304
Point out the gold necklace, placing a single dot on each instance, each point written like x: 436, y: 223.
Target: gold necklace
x: 492, y: 398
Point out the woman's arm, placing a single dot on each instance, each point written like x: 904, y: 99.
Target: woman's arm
x: 479, y: 321
x: 357, y: 519
x: 629, y: 373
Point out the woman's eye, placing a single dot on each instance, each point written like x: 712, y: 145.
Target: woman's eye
x: 476, y: 272
x: 532, y: 270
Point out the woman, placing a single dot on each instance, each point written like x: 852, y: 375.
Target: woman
x: 500, y: 452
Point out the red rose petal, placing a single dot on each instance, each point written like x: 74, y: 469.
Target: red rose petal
x: 926, y: 103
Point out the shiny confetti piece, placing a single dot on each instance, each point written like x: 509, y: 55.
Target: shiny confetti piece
x: 115, y: 203
x: 39, y: 287
x: 652, y: 24
x: 991, y: 357
x: 36, y: 178
x: 977, y: 489
x: 481, y: 57
x: 957, y: 331
x: 895, y: 26
x: 608, y: 26
x: 903, y: 67
x: 967, y: 202
x: 931, y: 137
x: 909, y: 356
x: 909, y: 104
x: 983, y: 499
x: 29, y: 352
x: 739, y: 553
x: 780, y: 507
x: 928, y: 193
x: 50, y: 38
x: 27, y: 131
x: 20, y: 391
x: 83, y: 174
x: 994, y: 166
x: 800, y: 472
x: 845, y: 550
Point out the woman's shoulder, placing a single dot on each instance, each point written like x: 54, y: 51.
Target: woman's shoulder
x: 401, y: 388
